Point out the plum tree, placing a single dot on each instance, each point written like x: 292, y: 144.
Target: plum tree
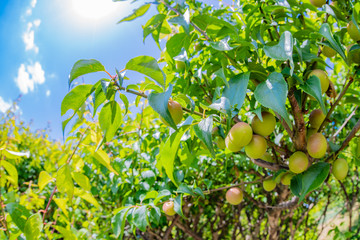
x: 298, y: 162
x: 239, y: 136
x: 168, y: 208
x: 328, y: 52
x: 264, y: 127
x: 353, y: 31
x: 340, y: 168
x: 257, y: 147
x: 234, y: 196
x: 269, y: 184
x: 318, y: 3
x: 316, y: 118
x: 317, y: 145
x: 324, y: 79
x: 176, y: 112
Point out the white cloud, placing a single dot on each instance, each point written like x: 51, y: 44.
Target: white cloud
x: 29, y: 76
x: 29, y: 36
x: 33, y: 3
x: 4, y: 106
x: 48, y: 92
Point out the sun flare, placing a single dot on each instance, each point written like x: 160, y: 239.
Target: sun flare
x: 94, y: 9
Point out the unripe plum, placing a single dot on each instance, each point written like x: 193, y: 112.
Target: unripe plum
x: 234, y: 196
x: 220, y: 142
x: 269, y: 184
x: 353, y: 31
x: 286, y: 179
x: 310, y: 131
x: 340, y: 168
x: 324, y: 79
x: 316, y: 145
x: 256, y: 148
x: 298, y: 162
x: 180, y: 65
x: 318, y: 3
x: 168, y: 208
x: 176, y: 112
x: 267, y: 157
x: 328, y: 52
x: 316, y: 118
x: 239, y: 136
x: 264, y: 127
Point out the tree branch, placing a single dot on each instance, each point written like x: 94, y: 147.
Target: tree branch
x: 344, y: 124
x: 269, y: 165
x: 336, y: 103
x: 188, y: 231
x: 299, y: 128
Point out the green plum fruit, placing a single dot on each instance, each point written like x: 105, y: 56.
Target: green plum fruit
x: 239, y: 136
x: 316, y: 118
x: 298, y: 162
x: 180, y: 66
x: 353, y: 31
x: 340, y: 168
x: 310, y: 131
x: 234, y: 196
x: 286, y: 178
x: 328, y: 52
x: 176, y: 112
x: 168, y: 208
x: 267, y: 157
x: 256, y: 148
x: 316, y: 145
x: 269, y: 184
x: 318, y: 3
x: 220, y: 142
x: 324, y: 79
x: 264, y: 127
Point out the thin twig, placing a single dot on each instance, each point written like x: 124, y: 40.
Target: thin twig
x: 344, y: 124
x: 48, y: 204
x: 336, y: 103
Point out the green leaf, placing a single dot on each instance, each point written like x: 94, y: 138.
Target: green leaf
x: 178, y: 205
x: 236, y: 91
x: 150, y: 195
x: 199, y: 192
x: 139, y: 218
x: 309, y: 180
x: 125, y: 101
x: 62, y: 204
x: 44, y: 179
x: 67, y: 234
x: 222, y: 45
x: 163, y: 193
x: 183, y: 188
x: 15, y: 155
x: 147, y: 66
x: 203, y: 132
x: 325, y: 31
x: 86, y: 196
x: 83, y: 67
x: 11, y: 170
x: 64, y: 181
x: 312, y: 87
x: 220, y: 73
x: 168, y: 151
x: 136, y: 13
x: 176, y: 43
x: 154, y: 214
x: 159, y: 102
x: 110, y: 119
x: 104, y: 159
x: 99, y: 98
x: 19, y: 214
x: 273, y: 93
x: 82, y: 180
x: 154, y: 26
x: 183, y: 20
x: 283, y: 50
x: 118, y: 222
x: 74, y: 100
x: 33, y: 227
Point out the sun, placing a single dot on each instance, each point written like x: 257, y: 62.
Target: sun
x: 94, y: 9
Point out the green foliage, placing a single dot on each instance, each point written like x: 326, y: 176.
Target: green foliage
x: 223, y: 64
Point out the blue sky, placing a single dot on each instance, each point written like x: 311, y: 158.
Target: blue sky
x: 41, y: 40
